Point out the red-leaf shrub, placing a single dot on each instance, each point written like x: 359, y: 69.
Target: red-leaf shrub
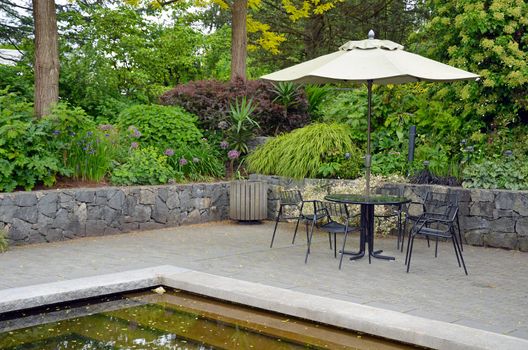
x: 210, y: 100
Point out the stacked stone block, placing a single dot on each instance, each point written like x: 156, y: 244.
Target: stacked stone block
x: 494, y: 218
x: 53, y: 215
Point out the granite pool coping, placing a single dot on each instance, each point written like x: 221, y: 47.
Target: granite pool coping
x: 363, y: 318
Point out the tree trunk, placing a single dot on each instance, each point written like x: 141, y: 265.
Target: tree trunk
x: 46, y: 56
x: 238, y: 40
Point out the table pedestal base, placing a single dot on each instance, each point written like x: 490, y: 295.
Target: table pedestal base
x: 367, y: 237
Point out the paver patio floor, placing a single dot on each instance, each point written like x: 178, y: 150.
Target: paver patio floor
x: 493, y: 297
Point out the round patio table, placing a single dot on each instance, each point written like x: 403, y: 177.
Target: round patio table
x: 367, y: 204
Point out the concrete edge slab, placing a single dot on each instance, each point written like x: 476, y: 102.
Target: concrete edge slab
x: 49, y: 293
x: 363, y: 318
x: 380, y: 322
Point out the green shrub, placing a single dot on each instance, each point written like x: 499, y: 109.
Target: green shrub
x: 17, y: 79
x: 145, y: 166
x: 28, y: 151
x: 210, y: 100
x: 498, y: 172
x: 350, y: 108
x: 317, y: 150
x: 161, y: 126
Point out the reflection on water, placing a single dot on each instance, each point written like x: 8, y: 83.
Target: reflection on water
x: 174, y: 320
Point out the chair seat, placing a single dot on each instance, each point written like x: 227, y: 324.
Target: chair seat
x: 336, y: 227
x: 310, y: 217
x: 427, y: 231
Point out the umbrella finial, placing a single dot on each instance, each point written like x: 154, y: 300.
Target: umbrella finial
x: 371, y: 34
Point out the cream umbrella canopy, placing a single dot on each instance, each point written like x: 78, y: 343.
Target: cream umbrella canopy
x: 370, y: 61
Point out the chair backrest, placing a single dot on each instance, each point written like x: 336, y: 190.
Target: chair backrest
x: 336, y: 210
x: 290, y: 197
x: 396, y: 191
x: 442, y: 203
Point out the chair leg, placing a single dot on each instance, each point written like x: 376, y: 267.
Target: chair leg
x: 330, y: 240
x: 405, y: 230
x: 400, y: 240
x: 276, y: 224
x: 459, y: 233
x: 410, y: 252
x: 436, y: 248
x: 460, y: 252
x: 310, y: 239
x: 296, y: 227
x: 343, y: 249
x: 335, y: 245
x: 307, y: 236
x: 456, y: 252
x: 408, y: 247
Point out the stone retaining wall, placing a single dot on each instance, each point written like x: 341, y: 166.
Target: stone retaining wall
x: 495, y: 218
x: 54, y: 215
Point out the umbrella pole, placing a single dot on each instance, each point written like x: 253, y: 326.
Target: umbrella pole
x: 367, y: 157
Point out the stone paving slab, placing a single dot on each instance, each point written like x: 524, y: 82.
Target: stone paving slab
x: 408, y: 329
x: 493, y: 297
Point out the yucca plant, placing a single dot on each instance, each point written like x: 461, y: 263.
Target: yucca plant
x: 242, y: 125
x: 304, y: 152
x: 286, y: 94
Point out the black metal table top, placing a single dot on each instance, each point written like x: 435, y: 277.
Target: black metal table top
x: 377, y: 199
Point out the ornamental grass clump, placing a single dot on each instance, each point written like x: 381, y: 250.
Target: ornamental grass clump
x: 197, y: 163
x: 317, y: 150
x: 91, y: 154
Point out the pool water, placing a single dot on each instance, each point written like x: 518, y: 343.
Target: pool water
x: 174, y: 320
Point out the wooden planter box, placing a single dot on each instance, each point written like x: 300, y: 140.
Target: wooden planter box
x: 248, y: 200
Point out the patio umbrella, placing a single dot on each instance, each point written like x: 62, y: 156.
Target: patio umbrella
x: 370, y: 61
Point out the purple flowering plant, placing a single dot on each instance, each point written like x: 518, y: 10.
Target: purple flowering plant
x: 134, y: 132
x: 233, y: 154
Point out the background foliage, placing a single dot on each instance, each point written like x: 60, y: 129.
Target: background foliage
x: 210, y: 101
x: 120, y: 58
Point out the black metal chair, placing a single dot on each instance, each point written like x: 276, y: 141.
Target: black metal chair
x: 432, y: 206
x: 437, y: 221
x: 314, y: 220
x: 391, y: 211
x: 333, y: 218
x: 291, y: 199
